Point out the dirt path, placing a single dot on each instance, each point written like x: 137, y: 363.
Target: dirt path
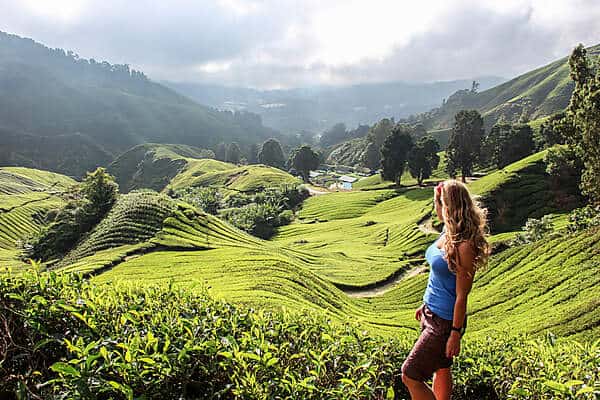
x: 386, y: 286
x: 316, y: 192
x: 426, y: 226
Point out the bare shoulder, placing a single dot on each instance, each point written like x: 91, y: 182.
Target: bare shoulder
x: 466, y: 254
x: 466, y: 248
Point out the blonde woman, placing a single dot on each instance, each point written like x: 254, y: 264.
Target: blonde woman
x: 460, y: 250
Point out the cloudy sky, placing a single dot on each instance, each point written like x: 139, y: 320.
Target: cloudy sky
x: 281, y: 43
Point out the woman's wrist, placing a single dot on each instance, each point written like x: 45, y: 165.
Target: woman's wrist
x: 456, y: 331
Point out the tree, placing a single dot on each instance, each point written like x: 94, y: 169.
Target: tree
x: 371, y: 156
x: 551, y: 131
x: 423, y: 158
x: 221, y: 152
x: 394, y: 153
x: 464, y: 145
x: 380, y: 131
x: 583, y: 114
x: 491, y: 146
x: 272, y: 154
x: 334, y: 135
x: 303, y: 159
x: 506, y: 144
x: 234, y: 154
x: 253, y: 154
x: 100, y: 190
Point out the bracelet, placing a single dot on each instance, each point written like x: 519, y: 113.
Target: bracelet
x: 459, y: 330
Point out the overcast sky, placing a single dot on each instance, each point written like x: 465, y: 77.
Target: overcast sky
x: 280, y: 43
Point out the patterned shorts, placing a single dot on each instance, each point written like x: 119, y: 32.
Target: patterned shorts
x: 429, y: 352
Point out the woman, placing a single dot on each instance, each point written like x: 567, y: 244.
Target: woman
x: 459, y: 251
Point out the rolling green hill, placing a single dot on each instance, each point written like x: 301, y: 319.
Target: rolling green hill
x: 152, y: 165
x: 47, y: 96
x: 25, y: 196
x: 350, y: 259
x: 535, y: 94
x: 168, y: 166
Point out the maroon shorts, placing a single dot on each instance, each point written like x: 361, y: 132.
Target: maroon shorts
x: 429, y: 353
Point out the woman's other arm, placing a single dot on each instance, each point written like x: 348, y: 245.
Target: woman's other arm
x: 464, y: 281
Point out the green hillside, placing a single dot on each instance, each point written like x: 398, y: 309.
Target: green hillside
x: 245, y: 178
x: 25, y: 196
x: 176, y: 167
x: 351, y: 262
x: 152, y: 165
x: 535, y: 94
x: 68, y: 114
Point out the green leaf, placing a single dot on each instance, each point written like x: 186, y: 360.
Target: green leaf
x: 584, y: 390
x: 272, y: 362
x: 556, y: 386
x: 65, y: 369
x: 390, y: 395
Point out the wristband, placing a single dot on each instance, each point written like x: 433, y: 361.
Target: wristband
x: 459, y: 330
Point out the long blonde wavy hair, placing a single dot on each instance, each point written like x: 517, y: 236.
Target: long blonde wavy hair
x: 465, y: 221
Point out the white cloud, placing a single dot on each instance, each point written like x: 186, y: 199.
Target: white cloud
x: 283, y: 43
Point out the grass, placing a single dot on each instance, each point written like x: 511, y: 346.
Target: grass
x: 345, y: 241
x: 246, y: 178
x: 25, y: 196
x: 375, y: 182
x: 152, y: 165
x: 135, y: 218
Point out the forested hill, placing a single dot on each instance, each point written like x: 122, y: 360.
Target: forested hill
x: 50, y: 98
x: 535, y: 94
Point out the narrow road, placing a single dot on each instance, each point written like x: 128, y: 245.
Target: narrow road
x: 386, y: 286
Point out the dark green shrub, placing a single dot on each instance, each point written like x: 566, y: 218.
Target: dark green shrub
x: 583, y: 218
x: 206, y: 199
x: 91, y: 201
x: 70, y: 339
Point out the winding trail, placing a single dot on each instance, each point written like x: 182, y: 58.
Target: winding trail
x: 384, y: 287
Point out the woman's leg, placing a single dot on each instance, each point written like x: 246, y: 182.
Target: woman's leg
x: 418, y: 390
x: 442, y: 384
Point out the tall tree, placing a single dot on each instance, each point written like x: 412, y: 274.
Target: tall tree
x: 506, y: 144
x: 423, y: 158
x: 253, y: 154
x: 303, y: 159
x: 583, y: 111
x: 394, y: 153
x: 221, y: 152
x: 371, y: 156
x: 272, y: 154
x: 234, y: 154
x: 464, y: 145
x: 380, y: 131
x: 334, y: 135
x: 550, y: 132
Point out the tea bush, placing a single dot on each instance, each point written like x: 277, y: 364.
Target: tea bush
x: 63, y: 337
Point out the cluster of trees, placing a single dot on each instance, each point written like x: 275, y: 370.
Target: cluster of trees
x: 399, y: 150
x: 302, y: 159
x: 89, y: 203
x: 256, y: 213
x: 338, y: 133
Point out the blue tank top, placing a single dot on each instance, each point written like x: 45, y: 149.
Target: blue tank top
x: 440, y: 294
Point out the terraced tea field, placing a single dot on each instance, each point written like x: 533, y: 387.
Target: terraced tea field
x: 25, y: 196
x: 161, y: 166
x: 344, y: 243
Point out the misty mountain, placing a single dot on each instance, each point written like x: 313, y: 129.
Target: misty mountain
x: 48, y: 95
x: 318, y: 108
x: 532, y: 95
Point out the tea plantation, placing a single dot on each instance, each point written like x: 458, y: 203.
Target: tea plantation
x: 170, y: 302
x: 25, y: 197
